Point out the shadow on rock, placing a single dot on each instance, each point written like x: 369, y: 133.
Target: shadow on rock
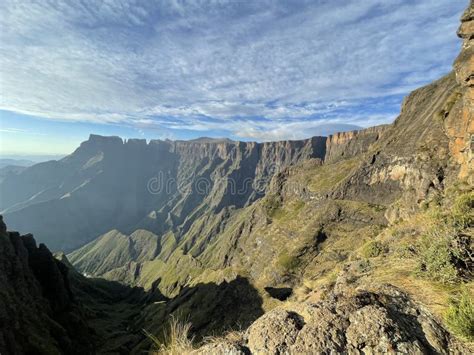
x: 215, y: 308
x: 280, y: 293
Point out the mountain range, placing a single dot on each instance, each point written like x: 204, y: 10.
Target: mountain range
x: 353, y: 243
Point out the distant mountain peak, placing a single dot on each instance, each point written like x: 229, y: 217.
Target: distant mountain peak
x: 99, y: 138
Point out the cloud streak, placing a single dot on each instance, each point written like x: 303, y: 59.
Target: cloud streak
x: 19, y: 131
x: 277, y: 66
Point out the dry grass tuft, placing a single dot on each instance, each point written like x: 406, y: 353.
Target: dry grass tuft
x: 232, y: 336
x: 176, y: 340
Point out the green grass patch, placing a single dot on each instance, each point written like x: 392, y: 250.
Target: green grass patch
x: 460, y: 316
x: 444, y: 251
x: 288, y: 212
x: 463, y: 210
x: 323, y: 178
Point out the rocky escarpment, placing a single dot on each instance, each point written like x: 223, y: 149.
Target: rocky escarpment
x: 416, y: 159
x: 429, y: 146
x: 38, y: 314
x: 386, y: 175
x: 160, y: 186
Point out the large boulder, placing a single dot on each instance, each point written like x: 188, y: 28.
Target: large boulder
x: 384, y: 320
x: 274, y: 332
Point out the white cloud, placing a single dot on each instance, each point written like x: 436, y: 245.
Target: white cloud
x: 20, y: 131
x: 176, y: 63
x: 269, y: 129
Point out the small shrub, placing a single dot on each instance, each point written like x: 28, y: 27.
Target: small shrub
x: 425, y: 205
x: 377, y: 208
x: 450, y: 102
x: 176, y: 340
x: 436, y: 259
x: 460, y: 316
x: 373, y: 249
x: 444, y: 252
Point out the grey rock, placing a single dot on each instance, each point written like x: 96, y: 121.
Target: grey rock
x: 379, y: 322
x: 274, y: 333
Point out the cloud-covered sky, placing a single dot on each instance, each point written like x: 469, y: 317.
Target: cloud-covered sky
x: 245, y: 69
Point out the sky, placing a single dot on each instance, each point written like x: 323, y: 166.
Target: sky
x: 247, y: 70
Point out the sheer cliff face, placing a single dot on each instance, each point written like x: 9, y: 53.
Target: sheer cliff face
x: 461, y: 131
x: 345, y: 145
x: 108, y: 183
x: 412, y: 158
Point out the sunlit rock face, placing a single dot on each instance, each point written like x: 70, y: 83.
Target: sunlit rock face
x: 462, y: 130
x: 344, y: 145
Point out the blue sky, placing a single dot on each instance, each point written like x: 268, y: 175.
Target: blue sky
x: 250, y: 70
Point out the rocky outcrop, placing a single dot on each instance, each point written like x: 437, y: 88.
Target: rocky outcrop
x: 356, y: 322
x: 221, y: 348
x: 38, y: 314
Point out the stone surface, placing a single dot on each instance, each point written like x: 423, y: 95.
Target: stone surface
x: 274, y: 332
x: 378, y: 322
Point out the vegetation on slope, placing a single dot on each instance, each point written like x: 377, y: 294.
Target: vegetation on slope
x: 430, y: 255
x: 460, y: 316
x: 176, y: 340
